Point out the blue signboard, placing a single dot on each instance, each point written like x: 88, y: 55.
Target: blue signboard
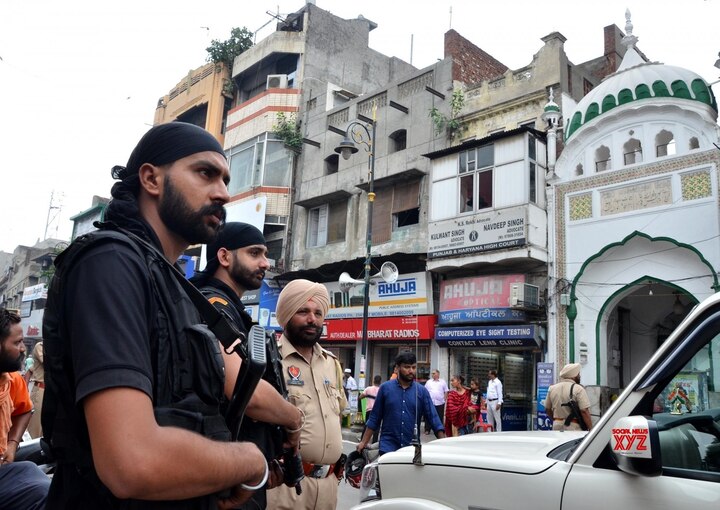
x: 481, y: 315
x: 521, y: 335
x: 545, y: 378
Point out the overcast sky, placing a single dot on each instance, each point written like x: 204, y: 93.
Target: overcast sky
x: 80, y: 79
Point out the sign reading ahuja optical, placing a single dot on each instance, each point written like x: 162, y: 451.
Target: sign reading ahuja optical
x: 480, y: 232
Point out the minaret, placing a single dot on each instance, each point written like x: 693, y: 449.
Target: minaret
x: 551, y: 115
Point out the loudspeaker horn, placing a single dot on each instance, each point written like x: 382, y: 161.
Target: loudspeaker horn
x: 347, y: 282
x: 388, y: 272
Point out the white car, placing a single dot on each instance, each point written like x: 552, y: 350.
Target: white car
x: 657, y: 447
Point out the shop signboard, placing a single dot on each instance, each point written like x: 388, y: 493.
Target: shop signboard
x: 545, y: 378
x: 411, y: 294
x: 496, y: 230
x: 34, y: 292
x: 488, y: 337
x: 479, y: 299
x: 419, y: 327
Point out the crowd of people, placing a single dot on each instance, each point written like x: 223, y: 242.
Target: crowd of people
x: 145, y: 388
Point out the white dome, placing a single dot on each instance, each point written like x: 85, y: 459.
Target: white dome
x: 637, y: 80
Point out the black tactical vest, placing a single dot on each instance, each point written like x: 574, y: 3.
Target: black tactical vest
x: 187, y: 387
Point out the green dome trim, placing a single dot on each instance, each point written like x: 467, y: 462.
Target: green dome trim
x: 592, y: 112
x: 660, y: 89
x: 680, y: 89
x: 701, y: 91
x: 575, y: 123
x: 608, y: 103
x: 642, y: 91
x: 625, y: 96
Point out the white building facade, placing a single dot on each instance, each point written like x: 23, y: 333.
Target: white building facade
x: 633, y: 217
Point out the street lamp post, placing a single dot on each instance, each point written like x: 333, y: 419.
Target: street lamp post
x: 363, y: 134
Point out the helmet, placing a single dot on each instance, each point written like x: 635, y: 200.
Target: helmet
x: 354, y: 468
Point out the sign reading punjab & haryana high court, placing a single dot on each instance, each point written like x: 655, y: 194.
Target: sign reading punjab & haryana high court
x: 495, y: 230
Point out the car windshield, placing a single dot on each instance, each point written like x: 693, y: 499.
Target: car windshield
x: 687, y: 412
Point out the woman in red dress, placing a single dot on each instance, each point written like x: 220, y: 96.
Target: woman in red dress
x: 456, y: 408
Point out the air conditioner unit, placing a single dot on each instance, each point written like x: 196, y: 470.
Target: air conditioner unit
x: 524, y: 295
x: 276, y: 81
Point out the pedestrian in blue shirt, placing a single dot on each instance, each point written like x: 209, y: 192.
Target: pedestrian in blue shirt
x: 399, y: 407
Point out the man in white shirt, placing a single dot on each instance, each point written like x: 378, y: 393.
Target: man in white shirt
x: 438, y: 390
x: 494, y: 400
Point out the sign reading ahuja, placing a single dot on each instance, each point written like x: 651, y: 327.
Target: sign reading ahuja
x: 494, y: 230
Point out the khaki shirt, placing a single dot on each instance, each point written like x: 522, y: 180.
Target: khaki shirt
x: 314, y: 387
x: 559, y: 394
x: 37, y: 372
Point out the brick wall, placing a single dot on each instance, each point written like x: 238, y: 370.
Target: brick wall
x: 470, y: 63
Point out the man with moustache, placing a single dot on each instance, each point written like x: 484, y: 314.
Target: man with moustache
x: 399, y: 407
x: 134, y: 380
x: 22, y: 484
x: 314, y: 382
x: 237, y: 261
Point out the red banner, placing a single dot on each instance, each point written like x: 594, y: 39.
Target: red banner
x: 420, y: 327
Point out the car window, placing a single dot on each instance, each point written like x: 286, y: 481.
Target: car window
x: 687, y: 412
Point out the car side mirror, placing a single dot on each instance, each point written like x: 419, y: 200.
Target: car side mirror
x: 635, y: 445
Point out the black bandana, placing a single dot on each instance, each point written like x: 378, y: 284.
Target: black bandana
x: 166, y: 143
x: 162, y: 144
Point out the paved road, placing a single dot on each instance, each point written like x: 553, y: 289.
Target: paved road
x: 349, y: 496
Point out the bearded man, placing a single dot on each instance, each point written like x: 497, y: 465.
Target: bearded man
x: 397, y: 399
x: 134, y: 380
x: 314, y: 382
x: 22, y: 484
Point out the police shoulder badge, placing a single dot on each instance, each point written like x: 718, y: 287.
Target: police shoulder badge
x: 294, y: 373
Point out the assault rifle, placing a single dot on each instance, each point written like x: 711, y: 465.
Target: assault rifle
x: 261, y: 359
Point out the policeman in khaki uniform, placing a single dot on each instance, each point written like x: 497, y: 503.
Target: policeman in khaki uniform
x: 314, y: 382
x: 559, y: 394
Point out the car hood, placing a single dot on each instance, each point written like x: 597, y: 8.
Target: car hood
x: 519, y: 452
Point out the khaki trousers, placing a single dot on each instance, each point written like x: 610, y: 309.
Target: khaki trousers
x: 317, y: 494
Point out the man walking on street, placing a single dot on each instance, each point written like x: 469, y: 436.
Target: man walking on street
x: 22, y: 484
x: 134, y: 380
x: 494, y: 401
x: 314, y: 385
x: 558, y: 396
x: 438, y: 390
x: 37, y: 377
x: 237, y: 261
x: 399, y: 406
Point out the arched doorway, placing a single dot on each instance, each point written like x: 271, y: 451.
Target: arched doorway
x: 622, y: 301
x: 638, y: 318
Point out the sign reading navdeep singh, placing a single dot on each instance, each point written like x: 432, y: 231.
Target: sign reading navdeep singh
x: 494, y: 230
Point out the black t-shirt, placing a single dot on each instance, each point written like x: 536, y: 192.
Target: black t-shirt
x: 225, y: 299
x: 109, y: 308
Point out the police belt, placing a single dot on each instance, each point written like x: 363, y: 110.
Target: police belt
x: 317, y: 470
